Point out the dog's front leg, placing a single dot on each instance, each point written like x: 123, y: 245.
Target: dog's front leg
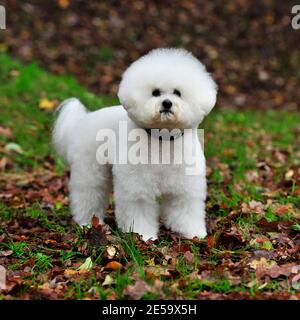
x: 140, y: 216
x: 185, y: 215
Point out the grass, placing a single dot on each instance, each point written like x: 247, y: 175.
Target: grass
x: 22, y: 88
x: 241, y: 147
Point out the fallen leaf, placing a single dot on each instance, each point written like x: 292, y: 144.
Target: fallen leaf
x: 283, y: 270
x: 261, y: 263
x: 95, y: 221
x: 156, y: 271
x: 289, y: 174
x: 6, y: 253
x: 189, y: 257
x: 137, y: 290
x: 64, y: 4
x: 296, y: 282
x: 54, y: 244
x: 230, y: 240
x: 111, y: 251
x: 261, y: 239
x: 150, y: 262
x: 87, y: 265
x: 46, y: 104
x: 210, y: 242
x: 108, y: 280
x: 114, y: 265
x: 97, y: 235
x: 5, y: 163
x: 14, y: 147
x: 72, y: 272
x: 269, y: 255
x: 282, y: 209
x: 266, y: 225
x: 6, y: 132
x: 256, y: 206
x: 267, y: 245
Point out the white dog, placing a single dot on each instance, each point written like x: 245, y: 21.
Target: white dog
x: 165, y: 89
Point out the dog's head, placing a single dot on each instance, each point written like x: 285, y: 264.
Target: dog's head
x: 167, y: 88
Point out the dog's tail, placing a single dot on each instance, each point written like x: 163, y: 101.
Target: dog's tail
x: 70, y: 112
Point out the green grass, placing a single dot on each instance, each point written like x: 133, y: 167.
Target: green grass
x: 22, y: 87
x: 239, y: 140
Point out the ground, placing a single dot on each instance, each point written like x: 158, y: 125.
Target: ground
x: 253, y: 216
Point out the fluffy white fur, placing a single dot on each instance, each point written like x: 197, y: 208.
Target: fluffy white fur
x: 137, y: 187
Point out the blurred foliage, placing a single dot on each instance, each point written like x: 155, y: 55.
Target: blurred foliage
x: 249, y: 46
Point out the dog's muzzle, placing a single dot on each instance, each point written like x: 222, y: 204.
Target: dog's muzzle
x: 166, y: 106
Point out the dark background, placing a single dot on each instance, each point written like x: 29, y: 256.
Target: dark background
x: 249, y: 46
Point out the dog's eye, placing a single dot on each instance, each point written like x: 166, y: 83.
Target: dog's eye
x: 177, y: 92
x: 156, y: 92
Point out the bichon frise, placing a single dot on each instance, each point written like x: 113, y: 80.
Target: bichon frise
x: 166, y: 89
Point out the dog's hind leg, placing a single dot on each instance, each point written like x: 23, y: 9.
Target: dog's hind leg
x: 89, y: 190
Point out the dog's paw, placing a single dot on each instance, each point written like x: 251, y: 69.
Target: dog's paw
x: 146, y: 233
x: 147, y: 237
x: 201, y: 233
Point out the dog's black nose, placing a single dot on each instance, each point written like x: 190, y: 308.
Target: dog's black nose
x: 167, y: 104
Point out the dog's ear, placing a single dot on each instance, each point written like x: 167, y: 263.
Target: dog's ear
x: 208, y: 98
x: 125, y: 92
x: 122, y: 95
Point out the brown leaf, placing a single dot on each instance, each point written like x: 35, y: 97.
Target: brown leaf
x: 6, y: 253
x: 95, y: 221
x: 54, y: 244
x: 256, y: 206
x: 156, y: 271
x: 272, y: 254
x: 261, y: 264
x: 64, y: 4
x: 189, y: 257
x: 285, y: 270
x: 137, y: 290
x: 12, y: 282
x: 71, y: 272
x: 97, y: 235
x: 283, y: 209
x: 266, y: 225
x: 231, y: 240
x: 264, y: 268
x: 114, y: 265
x: 6, y: 132
x: 210, y: 242
x: 52, y: 291
x: 5, y: 163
